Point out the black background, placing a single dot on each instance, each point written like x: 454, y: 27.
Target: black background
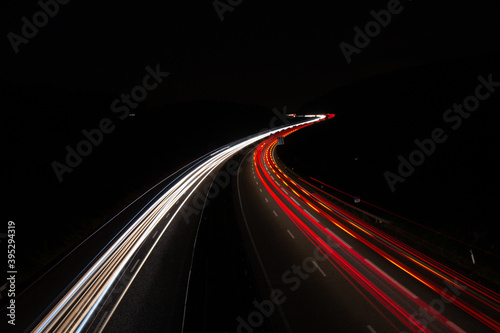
x: 225, y: 77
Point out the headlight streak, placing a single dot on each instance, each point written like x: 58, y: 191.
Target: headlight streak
x: 74, y: 311
x: 263, y: 157
x: 172, y: 217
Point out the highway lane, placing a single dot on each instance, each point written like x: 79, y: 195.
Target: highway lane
x: 474, y: 307
x: 188, y: 285
x: 50, y: 285
x: 155, y: 300
x: 87, y: 302
x: 319, y: 268
x: 316, y: 299
x: 372, y: 262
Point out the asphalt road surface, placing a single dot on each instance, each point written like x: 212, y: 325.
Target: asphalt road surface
x: 337, y: 273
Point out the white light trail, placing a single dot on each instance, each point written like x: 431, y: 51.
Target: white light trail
x: 74, y: 311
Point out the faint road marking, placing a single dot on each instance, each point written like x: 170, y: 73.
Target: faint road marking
x: 319, y: 268
x: 392, y: 279
x: 338, y: 238
x: 458, y: 329
x: 315, y: 219
x: 295, y: 201
x: 291, y: 235
x: 133, y: 267
x: 100, y: 321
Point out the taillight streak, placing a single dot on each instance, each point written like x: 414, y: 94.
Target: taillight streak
x: 388, y: 241
x: 376, y: 292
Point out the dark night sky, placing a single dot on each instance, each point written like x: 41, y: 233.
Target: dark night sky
x: 272, y: 54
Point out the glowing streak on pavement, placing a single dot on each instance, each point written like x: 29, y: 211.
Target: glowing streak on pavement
x: 73, y: 312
